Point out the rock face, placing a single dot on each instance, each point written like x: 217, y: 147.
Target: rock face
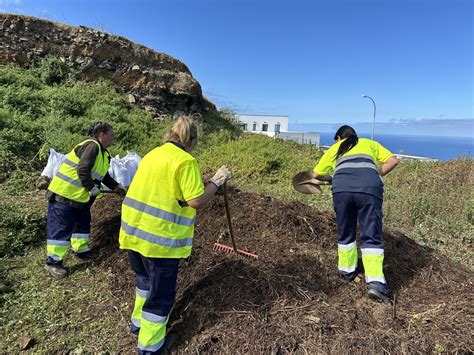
x: 155, y: 81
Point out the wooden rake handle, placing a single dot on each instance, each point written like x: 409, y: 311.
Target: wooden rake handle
x: 229, y: 218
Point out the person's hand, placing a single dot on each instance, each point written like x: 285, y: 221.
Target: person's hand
x: 43, y: 182
x: 221, y: 176
x: 320, y: 182
x: 94, y: 191
x: 121, y: 189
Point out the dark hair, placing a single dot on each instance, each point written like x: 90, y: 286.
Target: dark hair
x: 98, y: 127
x: 352, y: 139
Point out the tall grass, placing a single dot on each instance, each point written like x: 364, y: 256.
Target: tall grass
x: 433, y: 203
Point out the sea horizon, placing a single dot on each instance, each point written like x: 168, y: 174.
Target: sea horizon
x: 429, y: 146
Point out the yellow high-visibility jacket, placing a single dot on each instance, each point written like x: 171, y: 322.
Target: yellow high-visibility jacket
x: 153, y: 222
x: 66, y: 182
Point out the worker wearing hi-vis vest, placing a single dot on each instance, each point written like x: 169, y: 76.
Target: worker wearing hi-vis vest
x: 71, y: 194
x: 355, y: 166
x: 157, y: 229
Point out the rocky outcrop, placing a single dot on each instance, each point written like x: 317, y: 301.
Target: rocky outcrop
x: 155, y: 81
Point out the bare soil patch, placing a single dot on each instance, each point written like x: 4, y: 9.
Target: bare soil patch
x: 292, y: 299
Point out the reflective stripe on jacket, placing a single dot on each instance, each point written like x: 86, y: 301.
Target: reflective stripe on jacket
x: 356, y: 170
x: 357, y: 173
x: 66, y: 182
x: 153, y: 222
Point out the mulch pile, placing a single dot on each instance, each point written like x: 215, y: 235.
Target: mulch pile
x: 292, y: 299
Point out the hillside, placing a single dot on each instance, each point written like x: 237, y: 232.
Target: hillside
x: 291, y: 300
x: 155, y: 81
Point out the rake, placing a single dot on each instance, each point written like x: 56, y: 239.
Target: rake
x: 233, y: 249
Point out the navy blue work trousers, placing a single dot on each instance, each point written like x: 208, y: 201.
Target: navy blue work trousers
x: 63, y: 221
x: 157, y: 276
x: 366, y: 209
x: 351, y: 207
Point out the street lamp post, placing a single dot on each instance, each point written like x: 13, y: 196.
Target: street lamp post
x: 375, y: 110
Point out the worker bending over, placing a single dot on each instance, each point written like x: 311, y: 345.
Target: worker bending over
x: 352, y: 164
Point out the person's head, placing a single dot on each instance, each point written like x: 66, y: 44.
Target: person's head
x: 103, y: 132
x: 184, y: 132
x: 349, y: 134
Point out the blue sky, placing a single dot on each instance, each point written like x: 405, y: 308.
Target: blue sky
x: 309, y: 59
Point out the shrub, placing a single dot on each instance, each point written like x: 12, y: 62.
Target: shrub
x: 221, y: 120
x: 46, y: 107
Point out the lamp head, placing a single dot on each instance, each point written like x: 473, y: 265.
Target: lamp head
x: 364, y: 96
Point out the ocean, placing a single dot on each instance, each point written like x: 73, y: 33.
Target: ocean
x: 442, y: 148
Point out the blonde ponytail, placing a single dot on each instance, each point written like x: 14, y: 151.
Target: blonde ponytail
x: 184, y: 132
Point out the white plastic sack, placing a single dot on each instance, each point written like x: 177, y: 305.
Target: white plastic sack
x: 131, y: 161
x: 54, y: 162
x: 123, y: 169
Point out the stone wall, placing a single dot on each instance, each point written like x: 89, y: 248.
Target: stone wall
x: 155, y: 81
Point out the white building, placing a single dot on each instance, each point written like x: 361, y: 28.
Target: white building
x: 276, y: 126
x: 265, y: 124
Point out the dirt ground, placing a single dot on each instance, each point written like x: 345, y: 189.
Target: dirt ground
x: 292, y: 300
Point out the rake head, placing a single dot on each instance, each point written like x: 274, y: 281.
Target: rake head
x: 230, y: 250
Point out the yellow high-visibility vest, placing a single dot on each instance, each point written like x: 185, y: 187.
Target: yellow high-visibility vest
x: 66, y: 182
x: 154, y: 223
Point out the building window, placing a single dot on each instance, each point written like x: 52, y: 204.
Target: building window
x: 265, y: 127
x: 254, y: 128
x: 277, y: 127
x: 244, y: 126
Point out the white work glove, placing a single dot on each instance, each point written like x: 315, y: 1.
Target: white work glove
x: 94, y: 191
x: 121, y: 189
x: 221, y: 176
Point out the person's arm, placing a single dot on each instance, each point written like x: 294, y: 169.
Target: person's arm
x: 219, y: 178
x: 110, y: 182
x: 323, y: 169
x: 201, y: 201
x: 87, y: 154
x: 388, y: 166
x: 386, y: 158
x: 327, y: 178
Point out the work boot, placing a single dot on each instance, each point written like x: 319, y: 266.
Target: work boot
x: 166, y: 349
x: 134, y: 329
x: 87, y: 255
x: 357, y: 275
x: 57, y: 271
x: 378, y: 296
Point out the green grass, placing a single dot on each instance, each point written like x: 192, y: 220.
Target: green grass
x: 74, y: 314
x: 431, y: 202
x: 40, y: 110
x: 46, y: 106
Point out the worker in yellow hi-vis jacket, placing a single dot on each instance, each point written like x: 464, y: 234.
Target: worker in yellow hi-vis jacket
x: 355, y: 166
x: 71, y: 195
x: 158, y: 225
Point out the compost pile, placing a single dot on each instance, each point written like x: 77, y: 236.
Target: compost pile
x: 292, y: 299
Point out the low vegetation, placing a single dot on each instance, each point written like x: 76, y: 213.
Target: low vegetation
x: 47, y: 107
